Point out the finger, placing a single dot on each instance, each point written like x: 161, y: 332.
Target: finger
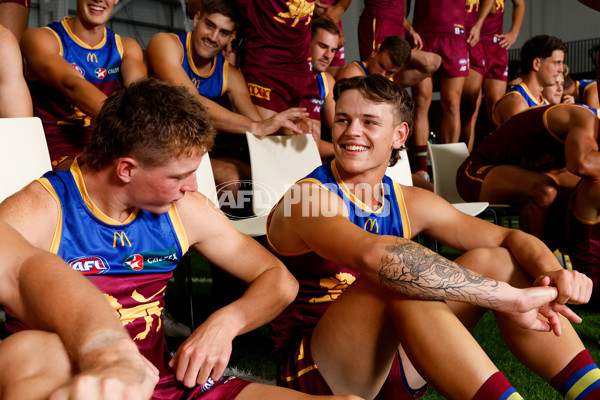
x: 566, y: 312
x: 542, y: 280
x: 180, y: 366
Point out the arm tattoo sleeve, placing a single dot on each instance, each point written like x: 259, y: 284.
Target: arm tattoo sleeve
x: 416, y: 271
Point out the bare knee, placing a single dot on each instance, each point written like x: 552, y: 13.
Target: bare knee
x: 493, y: 262
x: 544, y: 194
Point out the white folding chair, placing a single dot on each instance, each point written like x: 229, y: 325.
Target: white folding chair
x: 276, y: 163
x: 254, y: 226
x: 445, y: 160
x: 401, y: 172
x: 24, y: 153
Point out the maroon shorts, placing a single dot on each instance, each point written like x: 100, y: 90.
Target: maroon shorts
x: 372, y: 31
x: 226, y: 389
x: 278, y: 92
x: 469, y: 179
x: 496, y: 58
x: 477, y: 59
x: 24, y: 3
x: 454, y: 53
x: 299, y: 372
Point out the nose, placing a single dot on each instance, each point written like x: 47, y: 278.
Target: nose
x: 214, y: 35
x: 190, y: 184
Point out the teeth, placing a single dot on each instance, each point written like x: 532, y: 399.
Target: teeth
x: 95, y: 8
x: 209, y: 44
x: 353, y: 147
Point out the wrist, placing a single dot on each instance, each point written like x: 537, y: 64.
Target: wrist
x: 104, y: 348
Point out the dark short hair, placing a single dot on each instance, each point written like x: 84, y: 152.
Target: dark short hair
x: 514, y: 70
x: 398, y: 49
x: 228, y: 8
x: 151, y: 121
x: 540, y: 46
x: 378, y: 89
x: 326, y: 25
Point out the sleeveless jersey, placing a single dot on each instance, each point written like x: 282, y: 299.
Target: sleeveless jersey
x: 583, y: 85
x: 322, y: 281
x: 67, y: 128
x: 523, y: 91
x: 277, y: 36
x: 322, y: 87
x: 212, y: 85
x: 472, y: 8
x: 440, y: 17
x: 494, y: 22
x: 131, y: 262
x: 363, y: 66
x: 384, y: 9
x: 525, y: 141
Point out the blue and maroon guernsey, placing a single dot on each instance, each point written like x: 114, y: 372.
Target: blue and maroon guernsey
x: 67, y: 128
x: 440, y: 17
x: 212, y: 85
x: 522, y: 90
x: 130, y: 262
x: 322, y: 281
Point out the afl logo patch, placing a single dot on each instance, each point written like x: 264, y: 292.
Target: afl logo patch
x: 91, y: 265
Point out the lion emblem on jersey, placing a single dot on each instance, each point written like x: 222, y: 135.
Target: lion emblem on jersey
x: 298, y: 10
x: 335, y: 286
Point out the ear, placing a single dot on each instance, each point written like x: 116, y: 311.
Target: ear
x: 197, y: 17
x: 126, y: 167
x: 536, y: 63
x: 400, y: 135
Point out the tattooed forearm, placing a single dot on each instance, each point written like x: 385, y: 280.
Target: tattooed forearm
x: 416, y: 271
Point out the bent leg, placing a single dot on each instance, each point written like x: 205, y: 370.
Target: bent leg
x: 356, y: 340
x: 34, y: 364
x: 535, y: 191
x: 493, y: 90
x: 543, y: 352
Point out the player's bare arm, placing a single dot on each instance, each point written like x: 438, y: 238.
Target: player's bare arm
x: 133, y: 67
x: 270, y: 289
x: 43, y: 62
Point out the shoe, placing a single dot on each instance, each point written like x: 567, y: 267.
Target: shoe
x: 424, y: 175
x: 174, y: 328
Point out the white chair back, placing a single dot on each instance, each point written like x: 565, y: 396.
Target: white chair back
x: 24, y: 153
x: 401, y: 172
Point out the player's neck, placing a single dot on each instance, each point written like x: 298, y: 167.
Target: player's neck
x: 365, y: 186
x: 203, y: 65
x: 91, y: 35
x: 105, y: 193
x: 534, y: 85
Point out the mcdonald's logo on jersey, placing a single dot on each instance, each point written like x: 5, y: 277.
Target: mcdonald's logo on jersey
x: 259, y: 91
x: 123, y: 236
x: 92, y: 57
x: 371, y: 225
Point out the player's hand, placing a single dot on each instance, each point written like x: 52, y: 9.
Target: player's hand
x: 415, y: 39
x: 205, y: 353
x: 532, y: 301
x: 126, y: 375
x: 508, y: 39
x: 573, y: 286
x: 285, y: 119
x: 473, y: 38
x: 568, y: 99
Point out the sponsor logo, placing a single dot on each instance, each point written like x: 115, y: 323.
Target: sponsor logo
x: 81, y: 71
x: 123, y: 236
x: 91, y: 57
x: 100, y: 73
x: 371, y: 225
x: 259, y: 91
x: 152, y: 260
x: 134, y: 262
x: 90, y: 265
x: 459, y: 30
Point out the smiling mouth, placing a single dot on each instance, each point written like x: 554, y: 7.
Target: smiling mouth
x: 97, y: 8
x: 354, y: 147
x: 209, y: 44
